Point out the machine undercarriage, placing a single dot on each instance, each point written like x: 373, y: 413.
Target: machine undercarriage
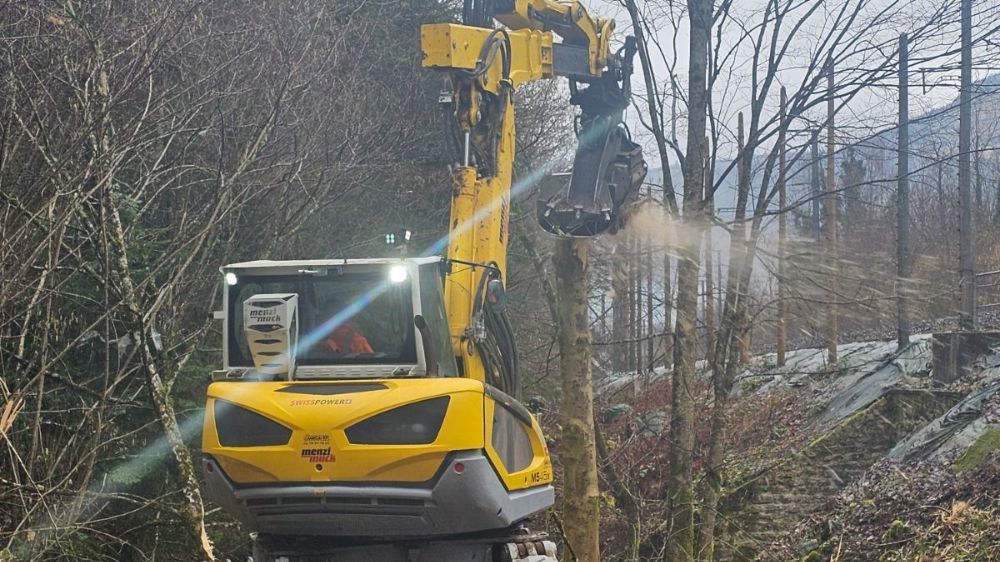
x: 516, y: 544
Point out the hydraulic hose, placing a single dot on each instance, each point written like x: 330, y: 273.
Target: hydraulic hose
x: 496, y: 347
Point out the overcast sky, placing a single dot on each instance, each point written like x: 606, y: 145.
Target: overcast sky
x: 875, y: 108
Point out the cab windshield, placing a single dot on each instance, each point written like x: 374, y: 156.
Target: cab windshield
x: 347, y: 318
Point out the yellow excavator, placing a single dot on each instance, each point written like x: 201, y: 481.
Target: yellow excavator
x: 368, y: 409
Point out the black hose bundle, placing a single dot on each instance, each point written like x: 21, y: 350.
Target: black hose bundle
x: 493, y: 107
x: 495, y: 344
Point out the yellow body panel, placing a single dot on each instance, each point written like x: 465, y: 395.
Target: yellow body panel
x: 452, y: 45
x: 538, y: 471
x: 480, y: 208
x: 480, y: 219
x: 319, y: 421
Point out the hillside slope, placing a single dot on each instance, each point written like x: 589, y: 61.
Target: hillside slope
x: 879, y: 447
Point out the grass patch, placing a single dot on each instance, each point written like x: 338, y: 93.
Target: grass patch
x: 977, y: 453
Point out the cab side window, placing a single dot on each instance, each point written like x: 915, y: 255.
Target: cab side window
x: 432, y: 309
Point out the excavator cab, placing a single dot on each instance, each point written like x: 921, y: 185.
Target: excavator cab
x: 314, y: 320
x: 338, y: 416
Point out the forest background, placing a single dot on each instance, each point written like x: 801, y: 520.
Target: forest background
x: 145, y: 144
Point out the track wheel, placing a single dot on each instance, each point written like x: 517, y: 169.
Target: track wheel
x: 533, y: 551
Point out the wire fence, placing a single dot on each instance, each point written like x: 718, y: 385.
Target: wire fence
x: 988, y: 290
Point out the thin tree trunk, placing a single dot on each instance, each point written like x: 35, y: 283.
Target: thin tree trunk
x: 726, y: 356
x: 709, y: 298
x: 745, y: 338
x: 782, y: 234
x: 977, y: 163
x: 580, y: 498
x: 604, y: 315
x: 619, y: 321
x: 709, y: 284
x: 814, y: 182
x: 966, y: 238
x: 831, y: 223
x: 720, y: 304
x: 903, y: 270
x: 632, y: 320
x: 680, y: 543
x: 193, y: 511
x: 53, y: 251
x: 650, y: 317
x: 638, y: 261
x: 680, y: 492
x: 650, y: 325
x: 668, y: 310
x: 652, y: 105
x: 942, y: 201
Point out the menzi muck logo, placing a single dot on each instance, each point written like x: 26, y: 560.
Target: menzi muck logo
x: 318, y: 455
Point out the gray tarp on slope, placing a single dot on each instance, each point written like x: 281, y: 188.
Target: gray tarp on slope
x: 956, y: 430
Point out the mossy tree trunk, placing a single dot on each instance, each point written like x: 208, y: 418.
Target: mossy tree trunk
x: 581, y: 499
x: 620, y: 306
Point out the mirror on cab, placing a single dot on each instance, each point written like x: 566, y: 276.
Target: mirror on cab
x: 496, y: 296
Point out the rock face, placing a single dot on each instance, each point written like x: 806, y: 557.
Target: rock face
x: 762, y: 509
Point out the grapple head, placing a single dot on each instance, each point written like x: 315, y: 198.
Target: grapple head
x: 608, y: 168
x: 607, y: 172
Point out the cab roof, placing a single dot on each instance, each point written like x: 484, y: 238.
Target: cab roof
x: 266, y: 265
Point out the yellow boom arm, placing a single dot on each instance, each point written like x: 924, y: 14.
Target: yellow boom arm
x: 570, y: 20
x: 484, y: 67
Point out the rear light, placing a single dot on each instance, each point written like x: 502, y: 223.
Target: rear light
x: 239, y: 427
x: 413, y: 424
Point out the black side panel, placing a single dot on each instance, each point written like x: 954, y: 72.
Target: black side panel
x: 413, y: 424
x: 239, y: 427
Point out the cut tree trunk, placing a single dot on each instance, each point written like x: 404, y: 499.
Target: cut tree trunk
x: 580, y: 498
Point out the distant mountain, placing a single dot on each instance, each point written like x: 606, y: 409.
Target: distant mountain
x: 933, y: 136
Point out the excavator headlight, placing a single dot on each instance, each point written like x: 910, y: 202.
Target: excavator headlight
x: 239, y: 427
x: 398, y: 274
x: 413, y: 424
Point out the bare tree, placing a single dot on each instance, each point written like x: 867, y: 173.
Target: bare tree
x: 140, y: 147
